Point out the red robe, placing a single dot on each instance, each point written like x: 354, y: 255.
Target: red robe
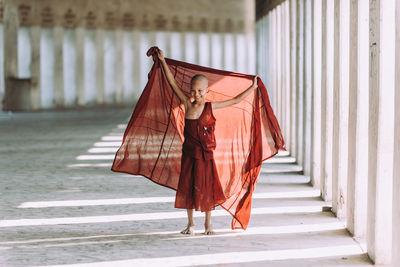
x: 199, y: 186
x: 246, y: 133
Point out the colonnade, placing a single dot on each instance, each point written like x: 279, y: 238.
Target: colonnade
x: 88, y: 65
x: 333, y: 71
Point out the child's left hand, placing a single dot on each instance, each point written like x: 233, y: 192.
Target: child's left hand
x: 255, y: 81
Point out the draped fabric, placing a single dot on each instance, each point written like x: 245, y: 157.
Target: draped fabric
x: 246, y: 133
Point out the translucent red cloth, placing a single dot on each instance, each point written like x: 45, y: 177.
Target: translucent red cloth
x: 246, y: 133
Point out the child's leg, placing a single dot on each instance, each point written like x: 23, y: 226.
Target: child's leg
x: 190, y: 226
x: 207, y: 224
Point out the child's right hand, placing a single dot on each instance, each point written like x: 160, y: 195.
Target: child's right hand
x: 160, y: 54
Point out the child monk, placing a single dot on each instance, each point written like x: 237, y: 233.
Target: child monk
x: 199, y: 186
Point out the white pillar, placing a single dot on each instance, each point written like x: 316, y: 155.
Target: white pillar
x: 100, y: 66
x: 89, y: 67
x: 47, y: 67
x: 300, y: 37
x: 58, y: 36
x: 358, y: 119
x: 316, y: 134
x: 80, y: 61
x: 396, y: 174
x: 204, y: 49
x: 229, y: 51
x: 119, y: 55
x: 278, y: 52
x: 308, y: 86
x: 36, y: 89
x: 217, y: 51
x: 127, y: 68
x: 293, y: 78
x: 327, y: 98
x: 2, y: 81
x: 284, y: 74
x: 287, y: 112
x: 336, y: 112
x: 190, y: 47
x: 240, y: 53
x: 137, y: 67
x: 340, y: 108
x: 381, y: 131
x: 273, y: 56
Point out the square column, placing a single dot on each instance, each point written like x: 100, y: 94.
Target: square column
x: 58, y: 35
x: 308, y: 86
x: 300, y: 81
x: 317, y: 96
x: 36, y: 89
x: 396, y: 174
x: 293, y: 80
x: 358, y: 119
x: 381, y: 130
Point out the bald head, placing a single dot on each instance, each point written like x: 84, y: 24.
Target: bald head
x: 199, y: 78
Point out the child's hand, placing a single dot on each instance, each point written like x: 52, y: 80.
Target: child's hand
x: 255, y: 81
x: 160, y: 54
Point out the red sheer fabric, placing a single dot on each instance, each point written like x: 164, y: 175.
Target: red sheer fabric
x: 246, y: 133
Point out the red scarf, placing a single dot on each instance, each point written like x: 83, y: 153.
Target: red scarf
x: 246, y: 133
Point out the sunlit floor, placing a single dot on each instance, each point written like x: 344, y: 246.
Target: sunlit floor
x: 62, y: 206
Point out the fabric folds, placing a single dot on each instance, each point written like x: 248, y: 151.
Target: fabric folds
x: 246, y: 133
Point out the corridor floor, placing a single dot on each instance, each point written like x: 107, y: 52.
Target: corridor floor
x: 61, y: 205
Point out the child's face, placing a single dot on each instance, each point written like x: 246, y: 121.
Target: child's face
x: 199, y: 90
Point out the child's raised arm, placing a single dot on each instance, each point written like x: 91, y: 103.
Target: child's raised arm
x: 171, y: 79
x: 236, y: 99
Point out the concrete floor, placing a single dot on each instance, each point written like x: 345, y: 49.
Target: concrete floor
x: 52, y: 161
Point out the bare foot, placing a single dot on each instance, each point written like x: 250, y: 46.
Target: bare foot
x: 208, y: 230
x: 189, y: 230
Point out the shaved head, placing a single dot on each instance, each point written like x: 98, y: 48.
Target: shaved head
x: 198, y: 78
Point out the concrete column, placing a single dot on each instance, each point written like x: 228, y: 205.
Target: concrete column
x: 317, y: 96
x: 287, y: 110
x: 69, y: 67
x: 175, y: 44
x: 293, y: 78
x: 283, y: 68
x: 381, y: 131
x: 300, y: 38
x: 217, y: 51
x: 340, y: 108
x: 80, y: 61
x: 190, y: 47
x: 36, y: 89
x: 396, y: 170
x: 47, y: 67
x: 127, y: 67
x: 204, y: 49
x: 250, y: 36
x: 2, y: 81
x: 327, y: 98
x: 358, y: 119
x: 58, y: 35
x: 100, y: 66
x: 279, y: 74
x: 119, y: 54
x: 137, y: 70
x: 336, y: 111
x: 90, y: 69
x: 273, y: 59
x: 308, y: 85
x: 229, y: 52
x: 11, y: 24
x: 241, y: 54
x: 343, y: 108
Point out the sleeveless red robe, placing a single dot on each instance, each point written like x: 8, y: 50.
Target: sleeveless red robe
x: 199, y: 186
x: 246, y: 133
